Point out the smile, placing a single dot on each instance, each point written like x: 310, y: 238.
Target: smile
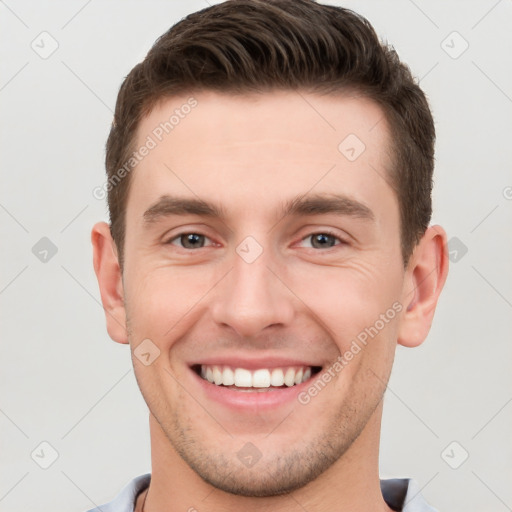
x: 262, y: 379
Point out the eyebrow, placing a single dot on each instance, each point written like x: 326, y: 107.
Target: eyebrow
x: 311, y: 204
x: 170, y: 205
x: 318, y: 204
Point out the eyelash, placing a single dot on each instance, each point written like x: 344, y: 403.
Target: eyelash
x: 323, y: 232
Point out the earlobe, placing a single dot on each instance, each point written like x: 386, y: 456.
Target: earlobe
x: 425, y: 277
x: 108, y: 273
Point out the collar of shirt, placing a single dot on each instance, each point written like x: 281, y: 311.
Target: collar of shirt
x: 401, y: 494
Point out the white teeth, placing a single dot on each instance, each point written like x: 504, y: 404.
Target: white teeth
x: 217, y: 375
x: 277, y: 377
x: 228, y: 377
x: 262, y: 378
x: 289, y: 377
x: 243, y: 378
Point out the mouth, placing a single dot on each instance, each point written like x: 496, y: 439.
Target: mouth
x: 255, y: 381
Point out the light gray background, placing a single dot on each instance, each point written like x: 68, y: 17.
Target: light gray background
x: 65, y: 382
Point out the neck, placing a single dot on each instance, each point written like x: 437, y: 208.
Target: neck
x: 351, y: 483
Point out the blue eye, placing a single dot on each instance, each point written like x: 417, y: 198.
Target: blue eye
x: 198, y: 241
x: 322, y: 240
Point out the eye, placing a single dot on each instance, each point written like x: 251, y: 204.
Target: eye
x: 190, y: 241
x: 322, y: 240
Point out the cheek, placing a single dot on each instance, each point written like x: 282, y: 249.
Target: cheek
x: 348, y: 299
x: 162, y: 301
x: 358, y: 308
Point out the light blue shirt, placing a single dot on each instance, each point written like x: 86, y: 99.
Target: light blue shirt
x: 402, y: 494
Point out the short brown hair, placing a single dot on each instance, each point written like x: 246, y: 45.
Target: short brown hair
x: 243, y: 46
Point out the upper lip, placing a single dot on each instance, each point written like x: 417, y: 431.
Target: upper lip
x: 254, y: 363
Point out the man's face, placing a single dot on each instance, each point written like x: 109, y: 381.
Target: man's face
x: 297, y: 253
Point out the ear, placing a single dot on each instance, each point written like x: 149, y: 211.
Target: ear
x: 108, y: 273
x: 424, y: 279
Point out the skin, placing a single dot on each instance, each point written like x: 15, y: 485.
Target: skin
x: 248, y: 155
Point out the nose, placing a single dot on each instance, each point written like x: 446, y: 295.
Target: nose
x: 252, y: 298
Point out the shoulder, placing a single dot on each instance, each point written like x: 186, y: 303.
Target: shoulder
x: 404, y: 494
x: 125, y: 499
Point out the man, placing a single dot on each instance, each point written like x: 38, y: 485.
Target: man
x: 270, y: 173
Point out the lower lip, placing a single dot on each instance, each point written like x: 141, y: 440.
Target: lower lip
x: 249, y: 400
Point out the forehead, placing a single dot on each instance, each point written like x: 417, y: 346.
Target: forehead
x: 261, y: 147
x: 296, y: 116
